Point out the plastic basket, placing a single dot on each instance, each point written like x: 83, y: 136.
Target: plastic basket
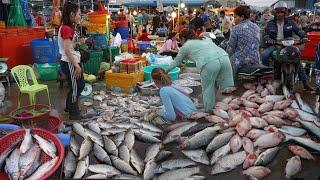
x: 143, y: 45
x: 123, y: 80
x: 44, y: 50
x: 96, y: 28
x: 11, y: 138
x: 47, y: 71
x: 98, y: 17
x: 173, y: 74
x: 40, y: 120
x: 93, y: 64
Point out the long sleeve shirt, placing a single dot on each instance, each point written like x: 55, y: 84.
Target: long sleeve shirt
x: 169, y: 45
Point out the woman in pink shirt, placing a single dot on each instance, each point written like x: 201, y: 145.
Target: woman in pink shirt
x: 170, y: 47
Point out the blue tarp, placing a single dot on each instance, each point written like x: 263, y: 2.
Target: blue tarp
x: 164, y: 2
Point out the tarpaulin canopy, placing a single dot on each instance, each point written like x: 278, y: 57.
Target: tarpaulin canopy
x: 164, y: 2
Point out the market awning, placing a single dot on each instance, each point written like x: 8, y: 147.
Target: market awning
x: 164, y: 2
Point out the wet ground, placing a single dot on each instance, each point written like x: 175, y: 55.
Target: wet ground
x: 310, y: 170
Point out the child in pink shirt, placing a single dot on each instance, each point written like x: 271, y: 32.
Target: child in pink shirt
x: 170, y: 47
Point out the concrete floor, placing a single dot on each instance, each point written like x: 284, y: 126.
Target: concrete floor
x: 310, y: 170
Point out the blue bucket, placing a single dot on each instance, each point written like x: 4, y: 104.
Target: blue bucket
x: 173, y: 74
x: 44, y: 51
x: 143, y: 45
x: 9, y: 127
x: 99, y: 41
x: 124, y: 32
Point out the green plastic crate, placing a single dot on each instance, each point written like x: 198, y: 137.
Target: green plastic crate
x: 93, y: 64
x: 47, y: 71
x: 115, y: 51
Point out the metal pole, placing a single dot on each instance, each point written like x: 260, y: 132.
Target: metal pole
x: 179, y: 6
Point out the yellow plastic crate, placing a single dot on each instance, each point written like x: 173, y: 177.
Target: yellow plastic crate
x: 123, y: 80
x: 96, y: 28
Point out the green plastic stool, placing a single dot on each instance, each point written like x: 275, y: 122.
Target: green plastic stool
x: 20, y: 76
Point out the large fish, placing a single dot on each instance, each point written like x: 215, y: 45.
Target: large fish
x: 267, y: 156
x: 85, y: 148
x: 182, y: 173
x: 281, y: 105
x: 122, y: 165
x: 243, y: 126
x: 310, y: 126
x: 307, y: 116
x: 229, y: 162
x: 74, y: 146
x: 304, y: 141
x: 70, y: 165
x: 129, y: 139
x: 302, y: 152
x: 235, y: 143
x: 109, y: 146
x: 199, y: 156
x: 95, y: 137
x: 149, y: 170
x: 254, y: 134
x: 82, y: 167
x: 250, y: 159
x: 27, y: 142
x: 258, y: 122
x: 219, y: 141
x: 136, y: 161
x: 266, y: 107
x: 47, y: 146
x: 303, y: 105
x: 293, y: 166
x: 174, y: 164
x: 43, y: 169
x: 195, y: 129
x: 103, y: 169
x: 28, y: 159
x: 147, y: 138
x: 101, y: 154
x: 247, y: 145
x: 79, y: 129
x: 269, y: 140
x: 293, y: 131
x: 152, y: 151
x: 257, y: 172
x: 6, y: 153
x: 12, y: 165
x: 221, y: 152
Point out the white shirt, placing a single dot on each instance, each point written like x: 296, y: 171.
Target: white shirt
x: 62, y: 50
x: 280, y: 35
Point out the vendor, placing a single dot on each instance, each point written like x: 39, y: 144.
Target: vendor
x: 144, y: 36
x: 70, y: 58
x: 212, y: 61
x: 170, y: 47
x: 177, y: 103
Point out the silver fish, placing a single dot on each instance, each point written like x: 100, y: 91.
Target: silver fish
x: 126, y: 177
x: 12, y: 165
x: 27, y: 142
x: 129, y: 139
x: 94, y: 127
x: 303, y: 105
x: 146, y: 131
x: 149, y: 170
x: 163, y: 155
x: 195, y: 129
x: 70, y: 165
x: 27, y: 160
x: 47, y: 146
x: 174, y: 164
x: 112, y: 131
x: 122, y: 165
x: 294, y: 131
x: 219, y: 141
x: 79, y: 129
x: 229, y: 162
x: 136, y: 161
x: 152, y: 151
x: 307, y: 116
x: 310, y: 126
x: 196, y: 177
x: 182, y: 173
x: 85, y: 148
x: 274, y: 98
x: 74, y: 146
x: 267, y: 156
x: 43, y: 169
x: 6, y: 153
x: 97, y: 176
x: 118, y: 138
x: 95, y: 137
x: 221, y: 113
x: 176, y: 133
x: 82, y: 168
x: 305, y: 142
x: 293, y: 166
x: 199, y: 156
x: 124, y: 153
x: 219, y: 153
x: 110, y: 146
x: 146, y: 138
x: 101, y: 154
x: 104, y: 169
x: 146, y: 125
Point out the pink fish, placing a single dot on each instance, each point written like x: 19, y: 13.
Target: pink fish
x: 237, y: 118
x: 250, y: 159
x: 247, y: 93
x: 271, y: 128
x: 259, y: 89
x: 249, y: 86
x: 302, y: 152
x: 221, y: 113
x: 291, y: 113
x: 277, y: 113
x: 257, y: 172
x: 293, y: 166
x: 243, y: 126
x: 237, y: 101
x: 232, y: 113
x: 233, y: 106
x: 247, y: 145
x: 255, y: 133
x: 215, y: 119
x: 269, y: 140
x: 221, y: 105
x: 274, y: 120
x: 235, y: 143
x: 260, y: 100
x: 257, y: 122
x: 271, y: 89
x: 266, y: 107
x: 227, y: 100
x: 231, y: 129
x: 264, y: 92
x: 250, y: 104
x: 282, y: 104
x: 253, y: 97
x: 253, y: 111
x: 246, y: 112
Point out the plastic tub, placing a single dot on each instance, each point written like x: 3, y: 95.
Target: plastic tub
x: 44, y: 50
x: 173, y: 74
x: 115, y: 51
x: 47, y: 71
x: 92, y: 66
x: 99, y: 41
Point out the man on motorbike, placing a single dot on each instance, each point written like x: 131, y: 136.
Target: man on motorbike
x: 281, y: 28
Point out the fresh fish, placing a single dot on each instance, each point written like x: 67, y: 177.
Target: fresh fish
x: 237, y: 118
x: 146, y: 131
x: 267, y: 156
x: 196, y: 177
x: 274, y: 120
x: 271, y: 128
x: 260, y: 100
x: 146, y: 138
x: 47, y: 146
x: 12, y: 165
x: 266, y: 107
x: 136, y: 161
x: 221, y: 105
x: 182, y: 173
x: 119, y: 138
x: 236, y: 101
x: 109, y: 146
x: 6, y: 153
x: 74, y: 146
x: 199, y: 156
x: 233, y: 106
x: 101, y: 154
x: 174, y: 164
x: 281, y: 105
x: 265, y: 92
x: 257, y: 122
x: 248, y: 93
x: 200, y: 139
x: 253, y: 111
x: 124, y: 153
x: 103, y: 169
x: 85, y: 148
x: 97, y: 176
x: 269, y: 140
x: 235, y: 143
x: 219, y: 141
x: 310, y: 126
x: 305, y: 142
x: 219, y: 153
x: 221, y: 113
x: 243, y: 126
x: 250, y: 104
x: 197, y: 115
x: 82, y: 167
x: 271, y: 89
x: 250, y: 159
x: 175, y: 126
x: 27, y: 142
x: 317, y: 107
x: 94, y: 127
x: 291, y: 113
x: 43, y: 169
x: 232, y: 113
x: 229, y: 162
x: 249, y: 86
x: 293, y: 166
x: 293, y: 131
x: 307, y: 116
x: 70, y: 165
x: 274, y: 98
x: 79, y: 129
x: 247, y: 144
x: 122, y: 165
x: 280, y: 114
x: 126, y: 177
x: 215, y: 119
x: 227, y: 100
x: 302, y: 152
x: 149, y: 170
x: 257, y: 172
x: 195, y: 129
x: 152, y: 151
x: 286, y: 92
x: 303, y: 105
x: 163, y: 155
x: 254, y: 134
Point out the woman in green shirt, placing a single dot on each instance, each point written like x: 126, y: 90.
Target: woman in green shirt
x: 212, y: 61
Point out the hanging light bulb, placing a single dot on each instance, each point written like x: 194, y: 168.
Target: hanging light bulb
x: 173, y: 14
x: 134, y: 13
x: 182, y: 5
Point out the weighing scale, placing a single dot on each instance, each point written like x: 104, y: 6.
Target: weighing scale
x: 4, y: 73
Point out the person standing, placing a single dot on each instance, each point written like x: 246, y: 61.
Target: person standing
x: 225, y: 23
x: 145, y: 17
x: 197, y: 23
x: 156, y: 20
x: 304, y: 20
x: 70, y: 59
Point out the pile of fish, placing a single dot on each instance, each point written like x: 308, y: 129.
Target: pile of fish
x: 249, y: 131
x: 23, y: 159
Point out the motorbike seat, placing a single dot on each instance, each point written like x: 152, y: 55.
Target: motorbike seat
x: 257, y: 69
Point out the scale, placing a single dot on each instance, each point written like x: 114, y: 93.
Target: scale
x: 4, y: 73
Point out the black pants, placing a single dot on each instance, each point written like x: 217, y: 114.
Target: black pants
x: 173, y: 54
x: 76, y: 86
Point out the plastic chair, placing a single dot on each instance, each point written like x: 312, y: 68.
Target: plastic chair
x: 20, y: 76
